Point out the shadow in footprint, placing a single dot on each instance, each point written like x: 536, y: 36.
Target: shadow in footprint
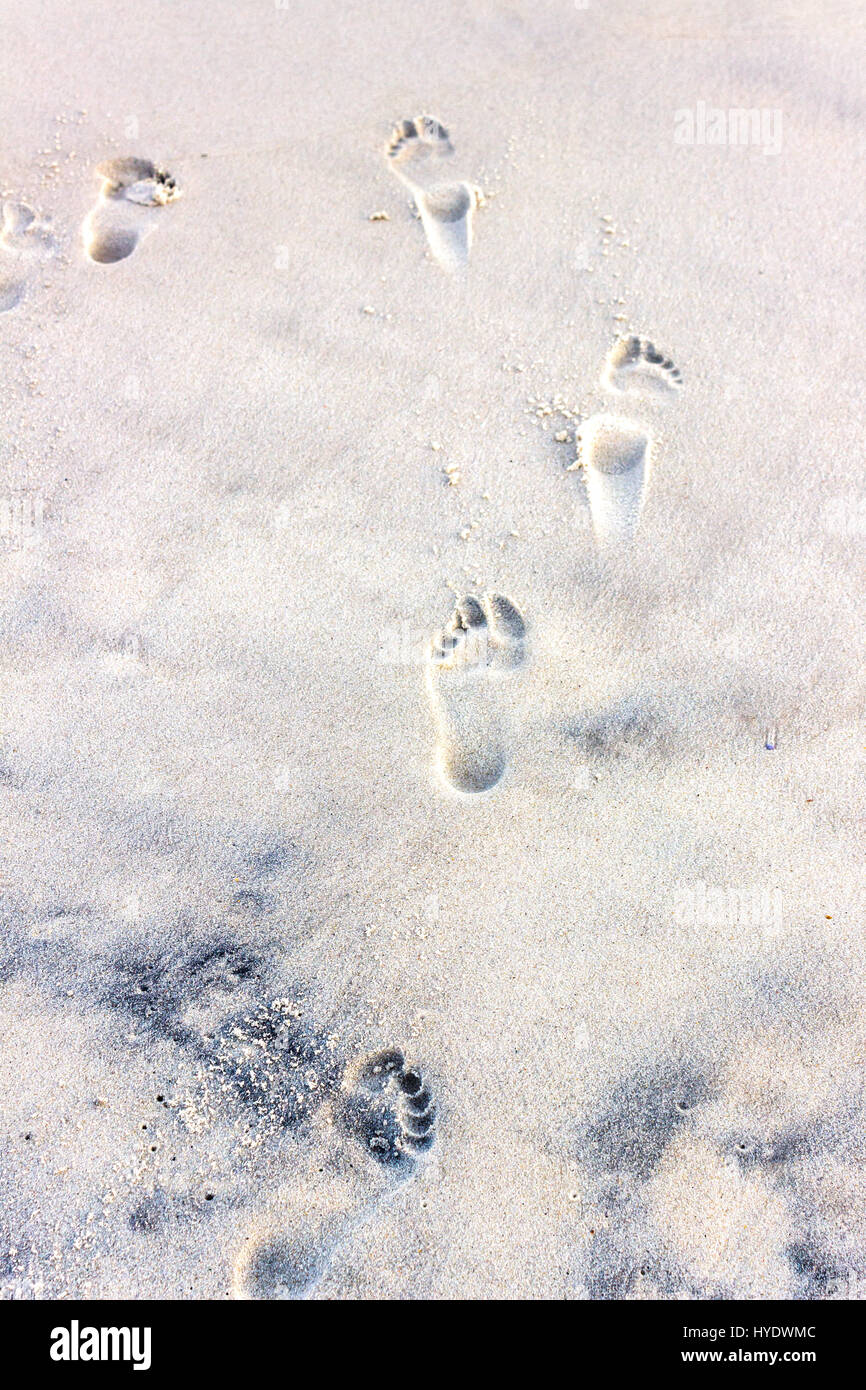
x: 642, y: 1114
x: 621, y: 1146
x: 280, y: 1267
x: 608, y: 734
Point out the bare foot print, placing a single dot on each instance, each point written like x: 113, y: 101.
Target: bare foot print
x: 132, y: 189
x: 615, y: 456
x: 384, y: 1111
x: 418, y: 152
x: 24, y: 240
x: 471, y: 673
x: 634, y: 365
x: 389, y: 1110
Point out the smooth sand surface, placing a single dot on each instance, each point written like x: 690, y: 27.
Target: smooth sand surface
x: 286, y: 1012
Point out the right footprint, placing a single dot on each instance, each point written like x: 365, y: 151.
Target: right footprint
x: 614, y: 453
x: 416, y: 153
x: 615, y: 456
x: 386, y: 1107
x: 124, y: 213
x: 390, y: 1110
x: 636, y: 365
x: 471, y: 677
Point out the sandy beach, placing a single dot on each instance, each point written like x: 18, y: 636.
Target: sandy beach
x: 432, y: 537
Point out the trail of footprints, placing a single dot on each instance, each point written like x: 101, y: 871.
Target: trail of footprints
x: 383, y: 1106
x: 473, y: 663
x: 473, y: 672
x: 473, y: 708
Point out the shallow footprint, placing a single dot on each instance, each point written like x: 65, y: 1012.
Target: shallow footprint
x: 25, y: 238
x: 470, y: 678
x: 416, y: 153
x: 615, y: 457
x: 635, y: 365
x: 124, y: 213
x: 12, y: 291
x: 386, y: 1107
x: 26, y: 235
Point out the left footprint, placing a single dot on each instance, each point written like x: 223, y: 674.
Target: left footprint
x: 132, y: 190
x: 417, y: 152
x: 390, y: 1110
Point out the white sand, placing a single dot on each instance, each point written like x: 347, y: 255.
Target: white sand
x: 270, y: 448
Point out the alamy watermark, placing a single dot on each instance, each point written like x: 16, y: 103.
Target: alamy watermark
x: 401, y: 644
x: 754, y: 908
x: 21, y: 518
x: 736, y: 127
x: 77, y: 1343
x: 845, y: 515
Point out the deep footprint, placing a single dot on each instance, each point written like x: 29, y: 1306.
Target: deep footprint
x: 132, y: 189
x: 635, y: 365
x: 471, y: 681
x: 615, y: 457
x: 416, y: 153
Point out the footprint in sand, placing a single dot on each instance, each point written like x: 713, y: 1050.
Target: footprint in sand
x: 634, y: 365
x: 386, y: 1107
x: 418, y: 152
x: 126, y: 210
x: 25, y: 240
x: 471, y: 672
x: 615, y: 457
x: 614, y: 453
